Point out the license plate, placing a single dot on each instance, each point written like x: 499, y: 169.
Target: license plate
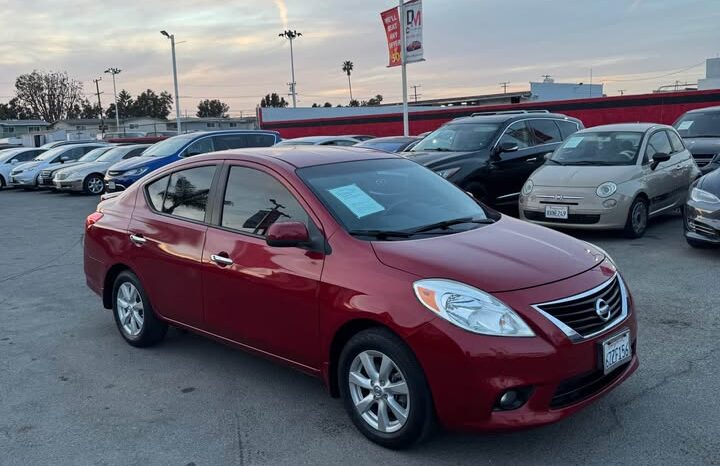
x: 556, y: 211
x: 616, y: 351
x: 111, y: 185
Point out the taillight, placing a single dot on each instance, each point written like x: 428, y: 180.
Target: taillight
x: 92, y: 219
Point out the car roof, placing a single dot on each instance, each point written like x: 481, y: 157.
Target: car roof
x: 302, y: 156
x: 636, y: 127
x: 390, y: 139
x: 705, y: 110
x: 502, y: 117
x: 318, y: 139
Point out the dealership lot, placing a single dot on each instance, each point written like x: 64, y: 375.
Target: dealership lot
x: 72, y: 391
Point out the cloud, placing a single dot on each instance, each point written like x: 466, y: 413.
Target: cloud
x: 282, y: 9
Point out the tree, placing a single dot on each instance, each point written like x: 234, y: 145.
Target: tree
x: 273, y: 100
x: 373, y: 102
x: 125, y: 104
x: 50, y: 95
x: 354, y: 103
x: 212, y: 108
x: 150, y: 104
x: 14, y: 110
x: 327, y: 105
x: 347, y: 68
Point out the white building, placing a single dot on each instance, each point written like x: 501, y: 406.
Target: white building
x: 550, y: 90
x: 712, y: 75
x: 189, y: 124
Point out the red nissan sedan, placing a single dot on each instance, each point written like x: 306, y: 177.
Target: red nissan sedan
x: 412, y: 301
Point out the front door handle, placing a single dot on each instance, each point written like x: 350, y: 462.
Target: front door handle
x: 138, y: 239
x: 678, y: 167
x: 222, y: 261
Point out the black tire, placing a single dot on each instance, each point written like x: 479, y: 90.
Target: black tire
x: 3, y: 184
x: 91, y: 182
x: 152, y: 329
x: 637, y: 219
x: 420, y: 420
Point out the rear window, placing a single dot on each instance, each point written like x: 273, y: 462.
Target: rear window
x: 545, y: 131
x: 187, y: 193
x: 567, y: 128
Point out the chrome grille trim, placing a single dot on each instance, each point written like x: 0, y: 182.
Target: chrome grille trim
x: 574, y: 336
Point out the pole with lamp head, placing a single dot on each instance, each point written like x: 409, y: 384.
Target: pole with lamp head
x: 175, y: 79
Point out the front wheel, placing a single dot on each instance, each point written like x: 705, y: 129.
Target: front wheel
x: 384, y: 389
x: 134, y: 315
x: 637, y: 220
x: 94, y: 184
x: 2, y: 182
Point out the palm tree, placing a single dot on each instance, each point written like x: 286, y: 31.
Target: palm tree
x: 348, y: 67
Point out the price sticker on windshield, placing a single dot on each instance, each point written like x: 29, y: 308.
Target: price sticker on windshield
x: 685, y: 125
x: 573, y: 142
x: 356, y: 200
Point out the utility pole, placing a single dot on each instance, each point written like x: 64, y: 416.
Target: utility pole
x: 621, y: 91
x: 291, y: 35
x: 113, y: 72
x: 102, y: 119
x: 175, y: 79
x: 504, y: 85
x: 415, y: 92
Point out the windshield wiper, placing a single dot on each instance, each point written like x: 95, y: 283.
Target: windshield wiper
x: 555, y: 161
x: 591, y: 162
x: 448, y: 223
x: 437, y: 149
x: 381, y: 234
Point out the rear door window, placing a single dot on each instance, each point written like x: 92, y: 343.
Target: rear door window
x: 567, y: 128
x: 239, y: 141
x: 545, y: 131
x: 187, y: 193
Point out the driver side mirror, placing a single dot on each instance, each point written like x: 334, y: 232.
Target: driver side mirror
x: 508, y: 147
x: 287, y: 235
x: 14, y: 161
x: 64, y: 159
x: 658, y: 159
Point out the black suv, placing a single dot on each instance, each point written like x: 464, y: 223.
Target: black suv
x: 700, y: 129
x: 491, y: 155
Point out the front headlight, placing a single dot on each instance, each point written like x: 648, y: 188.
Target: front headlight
x: 700, y: 195
x: 606, y: 189
x: 137, y: 171
x: 16, y: 172
x: 448, y: 172
x: 470, y: 308
x: 527, y: 187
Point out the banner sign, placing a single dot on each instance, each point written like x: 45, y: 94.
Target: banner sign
x: 413, y: 31
x: 391, y: 22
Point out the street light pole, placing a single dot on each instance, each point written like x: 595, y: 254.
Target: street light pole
x: 113, y: 72
x: 291, y: 35
x: 175, y: 79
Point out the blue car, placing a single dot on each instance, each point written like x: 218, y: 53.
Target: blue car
x: 121, y: 175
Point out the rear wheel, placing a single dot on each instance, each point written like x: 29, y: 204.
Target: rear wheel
x: 133, y: 313
x: 637, y: 218
x: 94, y: 184
x: 2, y: 182
x: 384, y: 389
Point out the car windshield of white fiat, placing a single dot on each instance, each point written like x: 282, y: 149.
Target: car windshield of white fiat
x: 600, y: 148
x: 168, y: 147
x: 393, y: 199
x: 699, y: 125
x: 460, y: 137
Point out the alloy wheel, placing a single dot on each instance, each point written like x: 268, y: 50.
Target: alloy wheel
x: 639, y: 217
x: 379, y: 391
x: 95, y: 185
x: 130, y: 309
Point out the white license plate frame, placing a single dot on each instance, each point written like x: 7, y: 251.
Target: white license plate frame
x: 557, y: 212
x: 617, y: 349
x: 111, y: 185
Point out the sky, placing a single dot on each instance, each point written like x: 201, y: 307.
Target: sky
x: 231, y: 50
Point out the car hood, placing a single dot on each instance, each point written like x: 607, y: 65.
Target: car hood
x: 68, y: 165
x: 710, y: 182
x: 28, y: 165
x: 433, y: 159
x: 134, y: 162
x: 703, y: 145
x: 582, y: 176
x: 505, y: 256
x: 86, y: 167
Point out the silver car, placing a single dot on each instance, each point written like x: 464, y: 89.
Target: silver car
x: 88, y: 177
x: 611, y: 177
x: 25, y: 175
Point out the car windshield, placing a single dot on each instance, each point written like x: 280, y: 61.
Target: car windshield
x: 50, y: 154
x: 391, y: 198
x: 387, y: 146
x: 113, y: 154
x: 599, y: 148
x: 168, y: 146
x: 94, y: 154
x: 459, y: 137
x: 699, y: 125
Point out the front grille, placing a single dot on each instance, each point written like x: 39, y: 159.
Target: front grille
x: 579, y: 313
x: 703, y: 159
x: 46, y: 173
x: 577, y: 219
x: 114, y: 173
x: 702, y: 229
x: 579, y: 388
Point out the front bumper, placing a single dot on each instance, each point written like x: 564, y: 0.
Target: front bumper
x: 468, y: 373
x: 24, y: 181
x: 117, y: 184
x: 68, y: 185
x: 702, y: 222
x: 586, y: 210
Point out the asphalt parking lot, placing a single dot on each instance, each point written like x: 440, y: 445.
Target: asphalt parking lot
x: 73, y: 392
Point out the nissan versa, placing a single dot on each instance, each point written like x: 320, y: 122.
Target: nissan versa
x: 124, y: 173
x: 336, y: 263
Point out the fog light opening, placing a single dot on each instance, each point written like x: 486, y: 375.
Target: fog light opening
x: 609, y: 203
x: 513, y: 399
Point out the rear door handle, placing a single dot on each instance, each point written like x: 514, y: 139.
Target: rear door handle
x: 138, y: 239
x: 222, y: 261
x: 678, y: 167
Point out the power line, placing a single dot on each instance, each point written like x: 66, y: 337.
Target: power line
x: 656, y: 77
x: 504, y: 85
